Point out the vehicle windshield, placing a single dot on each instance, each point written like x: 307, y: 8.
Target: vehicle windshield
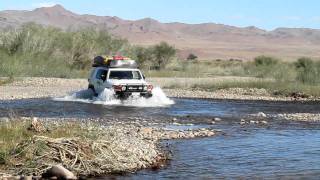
x: 124, y: 75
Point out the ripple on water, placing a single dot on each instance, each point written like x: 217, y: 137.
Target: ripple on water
x: 260, y: 154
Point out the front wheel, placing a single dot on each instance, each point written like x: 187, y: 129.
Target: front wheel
x: 146, y: 95
x: 122, y: 95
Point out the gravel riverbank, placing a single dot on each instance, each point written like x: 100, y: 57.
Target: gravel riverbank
x: 97, y: 150
x: 38, y: 87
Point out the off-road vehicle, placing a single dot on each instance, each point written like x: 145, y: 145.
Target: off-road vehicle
x: 119, y: 74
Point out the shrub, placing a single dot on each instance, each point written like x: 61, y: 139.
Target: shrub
x: 304, y: 63
x: 144, y: 57
x: 191, y: 56
x: 265, y: 61
x: 308, y: 70
x: 3, y: 157
x: 34, y: 50
x: 263, y: 66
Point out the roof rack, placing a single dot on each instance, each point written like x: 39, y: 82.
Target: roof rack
x: 114, y: 62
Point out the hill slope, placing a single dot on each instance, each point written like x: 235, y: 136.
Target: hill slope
x: 208, y: 40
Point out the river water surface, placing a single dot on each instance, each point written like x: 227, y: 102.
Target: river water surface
x: 281, y: 149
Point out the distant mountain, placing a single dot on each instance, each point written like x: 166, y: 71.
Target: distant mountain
x: 207, y: 40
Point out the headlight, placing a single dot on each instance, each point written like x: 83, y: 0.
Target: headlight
x: 123, y: 88
x: 145, y: 88
x: 117, y: 87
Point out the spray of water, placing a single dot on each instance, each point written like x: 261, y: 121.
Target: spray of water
x: 107, y: 98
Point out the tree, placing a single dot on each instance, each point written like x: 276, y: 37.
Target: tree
x: 163, y: 53
x: 191, y: 56
x: 144, y: 56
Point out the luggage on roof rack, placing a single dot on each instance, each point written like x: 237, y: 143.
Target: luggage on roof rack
x: 123, y: 64
x: 114, y: 62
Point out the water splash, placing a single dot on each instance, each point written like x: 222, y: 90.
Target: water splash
x: 107, y: 98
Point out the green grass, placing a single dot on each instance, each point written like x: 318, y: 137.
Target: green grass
x: 183, y: 68
x: 273, y: 87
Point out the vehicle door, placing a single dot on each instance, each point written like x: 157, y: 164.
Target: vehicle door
x: 100, y: 79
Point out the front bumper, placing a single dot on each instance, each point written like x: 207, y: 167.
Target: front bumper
x: 125, y: 95
x: 124, y: 91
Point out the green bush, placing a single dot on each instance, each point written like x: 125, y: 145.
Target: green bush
x: 3, y: 157
x: 34, y: 50
x: 144, y: 56
x: 265, y: 61
x: 263, y: 66
x: 163, y: 54
x: 308, y: 70
x: 191, y: 56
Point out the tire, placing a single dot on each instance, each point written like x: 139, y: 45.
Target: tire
x: 90, y: 86
x: 146, y: 95
x: 123, y: 96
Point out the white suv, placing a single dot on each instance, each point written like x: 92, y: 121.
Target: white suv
x: 124, y: 81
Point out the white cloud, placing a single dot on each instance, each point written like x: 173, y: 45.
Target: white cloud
x: 44, y: 4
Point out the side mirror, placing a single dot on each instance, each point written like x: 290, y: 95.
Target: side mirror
x: 103, y: 77
x: 143, y: 76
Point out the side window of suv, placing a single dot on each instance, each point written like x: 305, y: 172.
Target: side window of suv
x: 102, y: 74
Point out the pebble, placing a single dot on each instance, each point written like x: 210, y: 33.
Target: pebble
x: 299, y: 117
x: 27, y: 178
x: 146, y: 130
x: 263, y: 122
x: 261, y: 114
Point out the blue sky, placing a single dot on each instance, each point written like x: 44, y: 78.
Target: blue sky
x: 266, y: 14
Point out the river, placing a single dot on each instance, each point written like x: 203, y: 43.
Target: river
x: 281, y: 149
